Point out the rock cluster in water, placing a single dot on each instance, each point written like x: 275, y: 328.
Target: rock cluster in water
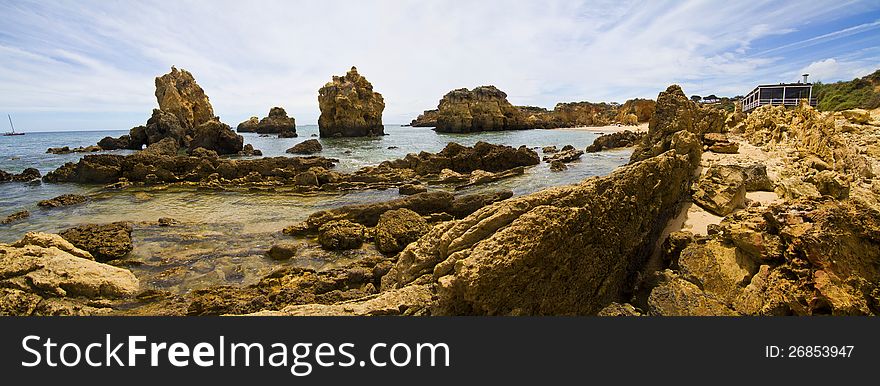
x: 486, y: 108
x: 277, y: 122
x: 185, y: 115
x: 350, y: 107
x: 26, y: 175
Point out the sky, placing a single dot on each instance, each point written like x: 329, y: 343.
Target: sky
x: 90, y: 65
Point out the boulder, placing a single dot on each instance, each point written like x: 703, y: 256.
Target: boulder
x: 830, y: 183
x: 721, y: 190
x: 310, y: 146
x: 341, y: 235
x: 616, y: 140
x: 42, y: 266
x: 397, y: 228
x: 249, y: 151
x: 26, y: 175
x: 636, y: 111
x: 288, y: 134
x: 857, y: 116
x: 350, y: 107
x: 564, y: 156
x: 282, y: 251
x: 756, y: 178
x: 248, y: 126
x: 167, y: 146
x: 217, y: 136
x: 410, y: 189
x: 110, y: 143
x: 63, y: 200
x: 557, y: 166
x: 105, y: 242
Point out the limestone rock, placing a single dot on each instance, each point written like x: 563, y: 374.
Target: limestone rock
x: 542, y: 253
x: 410, y: 189
x: 17, y: 216
x: 248, y: 126
x: 282, y: 251
x: 674, y: 112
x: 310, y: 146
x: 678, y: 297
x: 167, y: 146
x: 178, y: 93
x: 484, y: 108
x: 721, y: 190
x: 350, y: 107
x: 26, y: 175
x: 47, y: 266
x: 857, y: 116
x: 105, y: 242
x: 426, y: 119
x: 463, y: 159
x: 617, y: 309
x: 616, y: 140
x: 63, y: 200
x: 341, y: 235
x: 397, y: 228
x: 217, y: 136
x: 110, y: 143
x: 275, y: 123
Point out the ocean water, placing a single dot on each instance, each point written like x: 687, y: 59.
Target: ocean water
x: 222, y: 235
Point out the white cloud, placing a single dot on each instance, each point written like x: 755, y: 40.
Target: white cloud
x: 830, y: 70
x: 249, y: 56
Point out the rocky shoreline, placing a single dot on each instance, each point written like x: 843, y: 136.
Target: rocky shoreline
x: 716, y: 213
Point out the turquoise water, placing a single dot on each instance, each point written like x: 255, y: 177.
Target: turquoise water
x: 223, y: 234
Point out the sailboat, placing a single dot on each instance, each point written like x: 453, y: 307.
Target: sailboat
x: 13, y: 128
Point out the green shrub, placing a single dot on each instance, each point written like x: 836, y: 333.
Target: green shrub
x: 861, y: 93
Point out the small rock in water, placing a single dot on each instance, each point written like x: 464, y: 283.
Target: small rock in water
x: 392, y: 147
x: 167, y: 221
x: 549, y: 149
x: 557, y: 166
x: 105, y: 242
x: 63, y: 200
x: 410, y: 189
x: 310, y: 146
x: 282, y: 251
x: 341, y: 235
x: 17, y: 216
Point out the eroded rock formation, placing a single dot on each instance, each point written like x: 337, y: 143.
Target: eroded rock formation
x: 275, y: 123
x: 484, y: 108
x: 185, y: 115
x: 350, y: 107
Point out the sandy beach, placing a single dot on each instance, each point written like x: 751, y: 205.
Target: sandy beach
x: 607, y: 129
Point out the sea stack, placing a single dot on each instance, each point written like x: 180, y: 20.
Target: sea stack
x: 484, y: 108
x: 275, y: 123
x: 178, y: 93
x: 350, y: 107
x: 185, y: 115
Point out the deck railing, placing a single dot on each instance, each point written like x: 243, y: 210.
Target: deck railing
x: 748, y: 106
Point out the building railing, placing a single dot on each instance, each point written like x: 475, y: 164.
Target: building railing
x: 747, y: 106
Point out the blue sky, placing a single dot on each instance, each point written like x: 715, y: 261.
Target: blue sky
x: 90, y: 65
